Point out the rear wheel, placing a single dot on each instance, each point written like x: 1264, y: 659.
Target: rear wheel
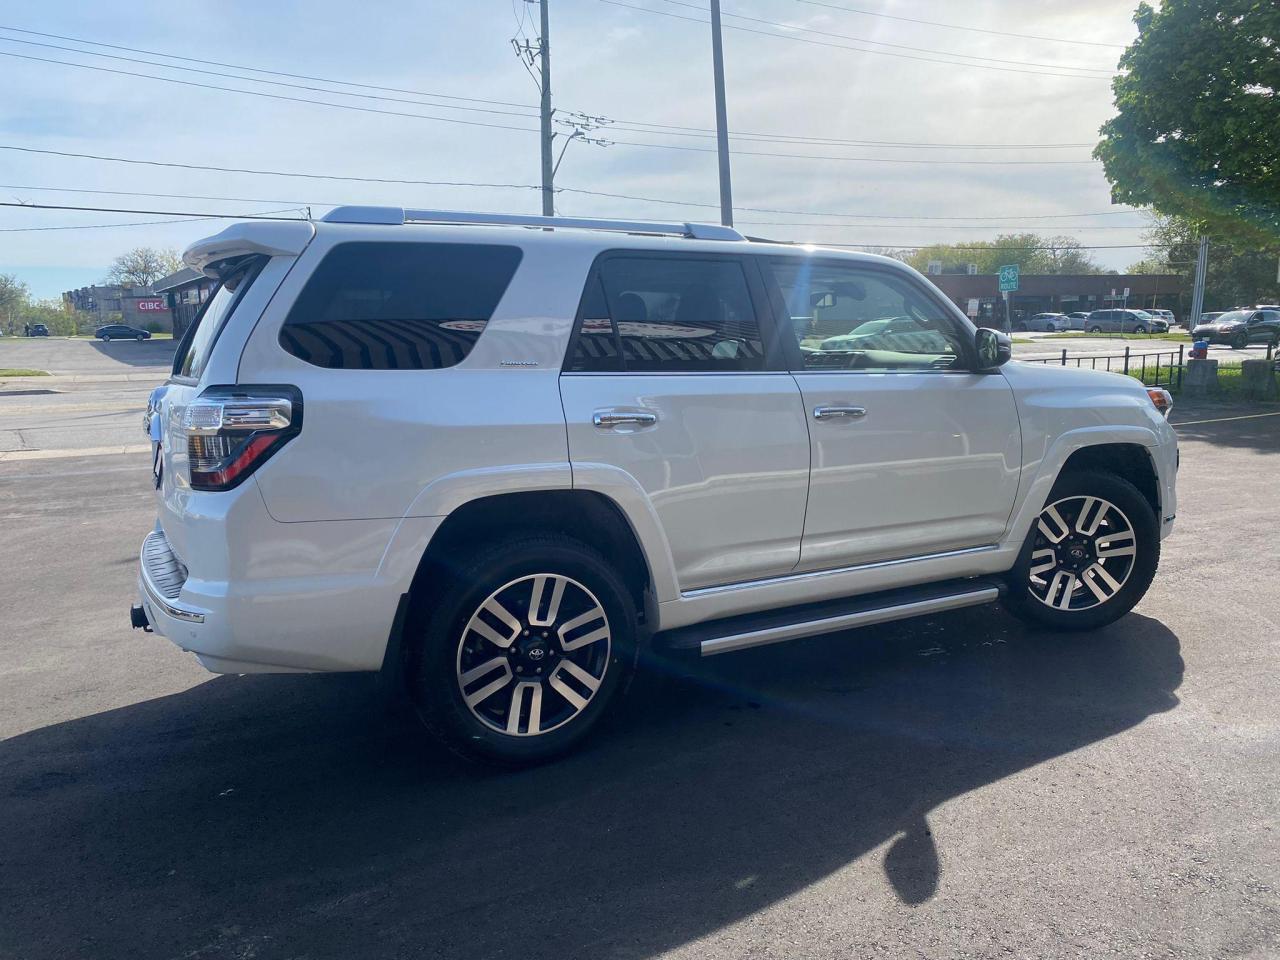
x: 1095, y: 329
x: 1090, y: 556
x: 523, y: 651
x: 106, y: 338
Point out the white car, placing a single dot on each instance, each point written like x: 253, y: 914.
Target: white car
x: 1044, y: 323
x: 495, y: 457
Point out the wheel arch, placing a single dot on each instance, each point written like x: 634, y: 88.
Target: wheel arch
x: 1129, y: 461
x: 586, y: 515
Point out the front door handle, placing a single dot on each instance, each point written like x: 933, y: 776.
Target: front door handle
x: 839, y: 413
x: 608, y: 419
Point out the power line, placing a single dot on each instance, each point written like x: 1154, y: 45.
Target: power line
x: 270, y: 96
x: 134, y: 223
x: 275, y: 73
x: 953, y: 26
x: 637, y: 126
x: 841, y: 46
x: 278, y: 83
x: 158, y: 213
x: 270, y: 173
x: 898, y: 46
x: 520, y: 186
x: 274, y: 216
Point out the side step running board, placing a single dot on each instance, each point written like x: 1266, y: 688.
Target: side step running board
x: 775, y: 626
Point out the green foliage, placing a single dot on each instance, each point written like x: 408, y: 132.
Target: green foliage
x: 1240, y: 273
x: 13, y: 293
x: 1199, y: 115
x: 1063, y: 256
x: 61, y: 323
x: 153, y: 326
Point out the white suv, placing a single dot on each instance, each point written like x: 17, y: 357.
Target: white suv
x: 494, y: 458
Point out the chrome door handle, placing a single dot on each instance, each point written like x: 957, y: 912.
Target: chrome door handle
x: 839, y: 413
x: 606, y: 419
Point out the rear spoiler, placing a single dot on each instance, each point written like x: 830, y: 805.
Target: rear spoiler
x: 280, y: 238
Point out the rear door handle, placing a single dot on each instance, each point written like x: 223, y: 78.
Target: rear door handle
x: 608, y: 419
x: 839, y: 413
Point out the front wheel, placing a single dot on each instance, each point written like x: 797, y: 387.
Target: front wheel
x: 1090, y: 555
x: 1139, y: 329
x: 522, y: 652
x: 1239, y: 342
x: 140, y: 338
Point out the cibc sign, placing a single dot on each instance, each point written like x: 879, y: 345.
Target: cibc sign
x: 153, y: 305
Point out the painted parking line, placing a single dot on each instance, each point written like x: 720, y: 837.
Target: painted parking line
x: 66, y: 452
x: 1248, y: 416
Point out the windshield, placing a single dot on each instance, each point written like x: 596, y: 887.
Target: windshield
x: 1235, y: 316
x: 197, y: 344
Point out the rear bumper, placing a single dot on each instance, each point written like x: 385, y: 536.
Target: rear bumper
x: 301, y: 598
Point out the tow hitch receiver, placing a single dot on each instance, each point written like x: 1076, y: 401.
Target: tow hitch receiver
x: 138, y: 618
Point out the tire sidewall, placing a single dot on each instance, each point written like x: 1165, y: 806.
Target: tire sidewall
x: 433, y: 674
x: 1134, y: 505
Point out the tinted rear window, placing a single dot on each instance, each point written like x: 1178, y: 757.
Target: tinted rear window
x: 197, y: 344
x: 398, y: 306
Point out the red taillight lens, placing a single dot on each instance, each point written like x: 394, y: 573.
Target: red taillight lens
x: 231, y: 431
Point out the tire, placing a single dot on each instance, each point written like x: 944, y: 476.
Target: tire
x: 1021, y: 328
x: 105, y: 338
x: 1139, y: 329
x: 140, y: 338
x: 452, y: 640
x: 1239, y: 342
x: 1069, y: 594
x: 1095, y: 329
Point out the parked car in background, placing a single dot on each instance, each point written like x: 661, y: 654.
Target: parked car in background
x: 1118, y: 321
x: 1155, y: 323
x: 38, y: 330
x: 121, y: 331
x: 1076, y: 321
x: 1043, y: 323
x: 1165, y: 315
x: 550, y: 447
x: 1239, y: 328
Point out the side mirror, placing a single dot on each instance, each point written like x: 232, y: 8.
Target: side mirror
x: 993, y: 347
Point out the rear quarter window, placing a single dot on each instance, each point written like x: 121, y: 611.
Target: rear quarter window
x: 397, y: 306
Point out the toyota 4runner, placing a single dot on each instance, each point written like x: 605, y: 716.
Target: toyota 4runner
x: 496, y: 457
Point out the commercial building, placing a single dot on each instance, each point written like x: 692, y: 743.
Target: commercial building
x: 136, y: 306
x: 185, y: 293
x: 979, y: 295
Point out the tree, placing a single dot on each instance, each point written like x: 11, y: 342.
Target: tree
x: 13, y: 293
x: 1240, y: 272
x: 1033, y: 253
x: 143, y: 266
x: 1198, y: 109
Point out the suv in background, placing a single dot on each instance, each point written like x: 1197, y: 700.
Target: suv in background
x: 552, y: 444
x: 1239, y: 328
x: 1118, y: 321
x: 38, y: 330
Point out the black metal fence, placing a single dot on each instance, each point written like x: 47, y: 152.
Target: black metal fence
x: 1158, y: 368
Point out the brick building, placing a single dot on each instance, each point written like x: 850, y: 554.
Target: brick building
x: 1062, y: 293
x: 136, y: 306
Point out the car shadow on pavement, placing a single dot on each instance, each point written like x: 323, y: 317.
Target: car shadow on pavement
x: 1245, y: 426
x: 134, y: 353
x: 286, y: 816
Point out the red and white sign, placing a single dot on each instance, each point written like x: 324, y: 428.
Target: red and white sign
x: 158, y: 305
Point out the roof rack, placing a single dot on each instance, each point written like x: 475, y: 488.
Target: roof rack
x: 399, y: 215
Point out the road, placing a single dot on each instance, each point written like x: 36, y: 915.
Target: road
x: 957, y: 786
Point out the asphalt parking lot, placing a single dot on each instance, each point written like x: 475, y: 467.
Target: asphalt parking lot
x: 960, y: 786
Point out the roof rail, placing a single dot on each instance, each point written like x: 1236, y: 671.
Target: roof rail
x: 398, y: 215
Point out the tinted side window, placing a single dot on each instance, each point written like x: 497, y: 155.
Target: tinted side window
x: 846, y: 316
x: 397, y: 306
x: 651, y: 314
x: 197, y: 343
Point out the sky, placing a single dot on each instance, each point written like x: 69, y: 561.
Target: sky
x: 643, y: 65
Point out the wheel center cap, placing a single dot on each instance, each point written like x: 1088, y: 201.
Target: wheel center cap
x: 536, y: 653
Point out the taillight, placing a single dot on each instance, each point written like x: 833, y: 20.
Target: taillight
x: 231, y: 431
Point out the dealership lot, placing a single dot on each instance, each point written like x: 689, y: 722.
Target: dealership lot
x: 958, y: 786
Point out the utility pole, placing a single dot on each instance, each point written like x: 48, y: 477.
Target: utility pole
x: 722, y: 123
x: 1197, y: 294
x: 548, y: 173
